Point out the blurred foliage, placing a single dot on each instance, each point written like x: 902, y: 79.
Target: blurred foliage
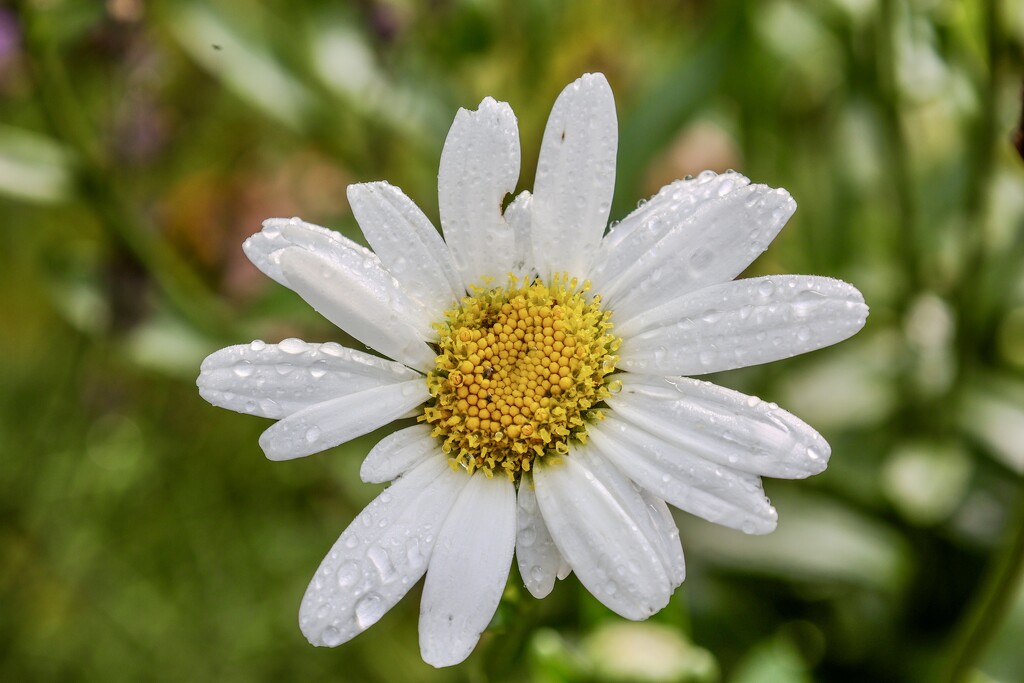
x: 144, y: 536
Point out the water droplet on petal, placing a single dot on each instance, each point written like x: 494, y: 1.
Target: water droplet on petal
x: 318, y: 369
x: 258, y: 345
x: 313, y: 434
x: 369, y: 610
x: 331, y: 637
x: 293, y: 346
x: 766, y: 288
x: 244, y: 369
x: 382, y: 562
x: 348, y: 574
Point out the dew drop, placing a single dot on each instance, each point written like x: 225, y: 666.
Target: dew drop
x: 351, y: 542
x: 748, y: 528
x: 527, y: 537
x: 766, y: 288
x: 313, y: 434
x: 382, y: 562
x: 369, y: 610
x: 753, y: 401
x: 271, y: 230
x: 413, y: 553
x: 250, y: 406
x: 318, y: 369
x: 330, y: 636
x: 537, y: 573
x: 348, y: 573
x: 803, y: 334
x: 293, y: 346
x: 244, y: 369
x: 323, y: 611
x: 711, y: 316
x: 258, y: 345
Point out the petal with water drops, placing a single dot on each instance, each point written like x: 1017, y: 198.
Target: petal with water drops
x: 721, y: 425
x: 334, y: 422
x: 276, y: 380
x: 572, y: 193
x: 689, y: 482
x: 741, y: 323
x: 600, y: 540
x: 536, y: 553
x: 378, y: 558
x: 479, y: 166
x: 468, y: 569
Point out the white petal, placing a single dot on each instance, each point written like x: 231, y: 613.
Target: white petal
x: 379, y: 557
x: 536, y: 553
x: 408, y: 245
x: 572, y: 194
x: 741, y: 323
x: 638, y: 232
x: 468, y: 570
x: 518, y: 214
x: 724, y: 426
x: 276, y: 380
x: 397, y: 453
x: 668, y: 532
x: 362, y: 302
x: 334, y: 422
x: 631, y: 498
x: 713, y: 492
x: 712, y: 245
x: 479, y: 166
x: 599, y: 538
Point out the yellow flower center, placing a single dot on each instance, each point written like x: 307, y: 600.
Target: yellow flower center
x: 520, y: 371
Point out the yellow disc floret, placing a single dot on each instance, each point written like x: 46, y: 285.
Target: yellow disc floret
x: 520, y: 371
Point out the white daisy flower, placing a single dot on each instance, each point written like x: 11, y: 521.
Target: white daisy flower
x: 544, y: 361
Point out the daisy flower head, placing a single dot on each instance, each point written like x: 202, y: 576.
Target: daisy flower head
x: 547, y: 365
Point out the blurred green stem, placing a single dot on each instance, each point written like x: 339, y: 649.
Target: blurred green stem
x: 184, y: 289
x: 994, y: 600
x: 896, y: 142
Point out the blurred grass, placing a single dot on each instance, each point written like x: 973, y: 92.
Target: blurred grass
x: 144, y: 536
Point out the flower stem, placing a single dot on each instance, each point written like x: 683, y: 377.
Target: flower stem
x: 994, y: 599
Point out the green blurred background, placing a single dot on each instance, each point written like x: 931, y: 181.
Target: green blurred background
x: 143, y: 535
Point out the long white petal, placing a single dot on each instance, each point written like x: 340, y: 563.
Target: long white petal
x: 468, y: 570
x: 721, y: 425
x: 638, y: 232
x: 361, y: 302
x: 668, y: 532
x: 741, y: 323
x: 397, y: 453
x: 645, y: 519
x: 708, y: 490
x: 536, y: 553
x: 572, y: 193
x: 711, y: 246
x: 599, y: 538
x: 479, y: 166
x: 334, y: 422
x: 379, y: 557
x: 276, y: 380
x: 408, y: 245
